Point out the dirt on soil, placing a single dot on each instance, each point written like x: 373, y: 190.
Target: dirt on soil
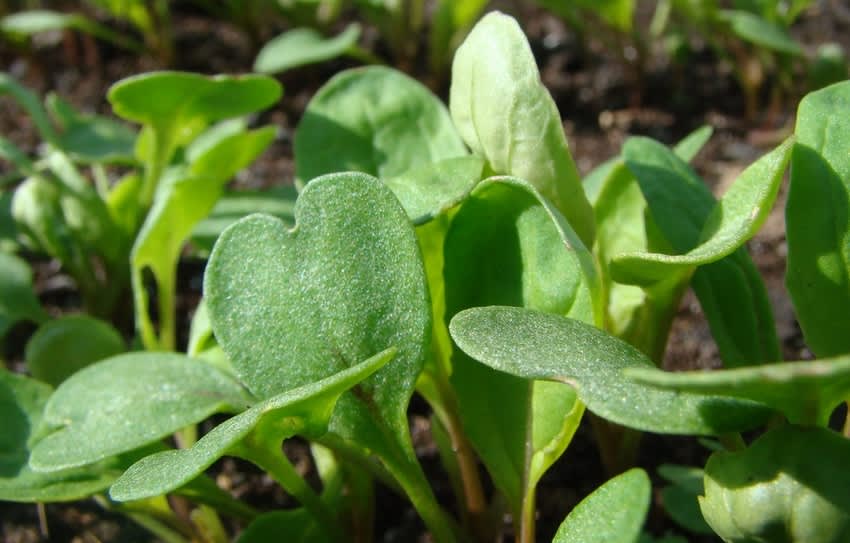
x: 602, y: 103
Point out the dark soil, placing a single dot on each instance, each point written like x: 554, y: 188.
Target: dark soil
x: 602, y: 103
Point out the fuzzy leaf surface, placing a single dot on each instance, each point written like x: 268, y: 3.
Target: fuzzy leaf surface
x: 806, y: 392
x: 536, y: 345
x: 129, y: 401
x: 508, y: 245
x: 305, y: 410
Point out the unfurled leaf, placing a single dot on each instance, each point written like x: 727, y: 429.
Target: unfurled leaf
x: 35, y: 21
x: 31, y: 104
x: 536, y: 345
x: 304, y: 410
x: 731, y: 291
x: 354, y: 124
x: 508, y: 245
x: 301, y: 46
x: 817, y: 220
x: 613, y: 513
x: 506, y: 115
x: 66, y: 345
x: 732, y: 221
x: 129, y: 401
x: 789, y: 486
x: 806, y: 392
x: 17, y: 299
x: 680, y: 498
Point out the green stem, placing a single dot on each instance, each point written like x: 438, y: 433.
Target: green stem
x: 527, y: 520
x: 732, y: 441
x: 272, y: 459
x: 847, y: 421
x: 157, y: 528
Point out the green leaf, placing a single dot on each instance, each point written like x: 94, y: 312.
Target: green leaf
x: 36, y: 21
x: 680, y: 499
x: 535, y: 345
x: 302, y: 46
x: 234, y: 205
x: 506, y: 115
x: 129, y: 401
x: 754, y: 29
x: 186, y: 196
x: 730, y: 290
x: 17, y: 299
x: 31, y: 104
x: 733, y: 220
x: 789, y: 486
x: 613, y: 513
x: 182, y: 97
x: 353, y: 123
x: 91, y: 138
x: 806, y: 392
x: 427, y: 191
x: 300, y: 527
x: 22, y: 402
x: 292, y: 306
x: 508, y: 245
x: 56, y: 351
x: 301, y: 410
x: 693, y: 143
x: 818, y: 221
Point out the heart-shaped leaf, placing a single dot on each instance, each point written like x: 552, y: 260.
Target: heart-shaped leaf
x: 613, y: 513
x: 536, y: 345
x: 806, y: 392
x: 301, y: 46
x: 789, y: 486
x: 731, y: 291
x: 17, y: 299
x: 186, y: 196
x: 353, y: 123
x: 55, y: 351
x: 129, y: 401
x: 732, y: 221
x: 293, y: 306
x: 303, y: 410
x: 817, y: 219
x: 508, y: 245
x: 22, y: 402
x: 506, y: 115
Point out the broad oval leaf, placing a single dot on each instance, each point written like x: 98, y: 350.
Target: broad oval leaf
x: 536, y: 345
x: 22, y: 402
x: 817, y: 218
x: 733, y: 220
x: 789, y: 486
x: 91, y: 138
x: 173, y: 98
x: 304, y: 410
x: 354, y: 124
x: 506, y: 115
x: 613, y: 513
x: 508, y: 245
x: 806, y: 392
x: 17, y: 299
x: 129, y: 401
x: 301, y: 46
x: 760, y: 31
x: 61, y: 347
